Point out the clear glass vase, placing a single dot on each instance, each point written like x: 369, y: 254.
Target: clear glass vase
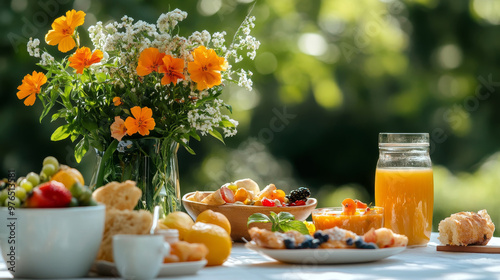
x: 151, y: 163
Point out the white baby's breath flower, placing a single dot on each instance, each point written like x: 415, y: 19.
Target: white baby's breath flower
x: 46, y: 59
x: 32, y: 47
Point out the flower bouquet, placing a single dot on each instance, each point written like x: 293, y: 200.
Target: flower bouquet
x: 140, y: 93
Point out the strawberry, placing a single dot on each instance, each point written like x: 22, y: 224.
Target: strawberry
x: 49, y: 195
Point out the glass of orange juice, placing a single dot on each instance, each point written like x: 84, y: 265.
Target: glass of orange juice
x: 404, y: 185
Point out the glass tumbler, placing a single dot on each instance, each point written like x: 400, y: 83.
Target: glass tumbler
x: 404, y: 185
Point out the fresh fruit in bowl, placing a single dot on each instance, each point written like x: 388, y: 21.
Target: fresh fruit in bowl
x: 249, y: 199
x: 46, y: 237
x: 247, y: 192
x: 57, y: 185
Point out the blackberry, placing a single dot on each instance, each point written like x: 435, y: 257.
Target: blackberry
x: 301, y: 193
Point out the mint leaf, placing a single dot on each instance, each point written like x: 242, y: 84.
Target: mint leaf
x: 294, y: 225
x: 258, y: 218
x: 285, y: 216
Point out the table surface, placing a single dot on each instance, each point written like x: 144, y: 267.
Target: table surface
x: 413, y: 263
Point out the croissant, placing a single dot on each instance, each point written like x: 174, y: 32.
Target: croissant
x: 466, y: 228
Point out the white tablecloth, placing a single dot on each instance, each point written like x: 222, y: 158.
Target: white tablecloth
x: 413, y: 263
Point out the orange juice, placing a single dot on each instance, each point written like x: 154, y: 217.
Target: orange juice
x: 407, y: 195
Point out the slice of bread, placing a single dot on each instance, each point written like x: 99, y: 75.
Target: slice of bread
x: 122, y: 196
x: 122, y: 222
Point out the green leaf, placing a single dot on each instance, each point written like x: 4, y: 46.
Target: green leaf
x: 55, y: 116
x: 285, y: 216
x: 217, y: 135
x: 258, y: 218
x: 195, y: 135
x: 60, y: 133
x: 294, y: 225
x: 89, y: 125
x: 81, y: 149
x: 226, y: 123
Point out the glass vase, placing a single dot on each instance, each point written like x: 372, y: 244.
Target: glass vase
x: 151, y: 163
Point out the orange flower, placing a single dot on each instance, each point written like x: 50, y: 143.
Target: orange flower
x: 142, y: 123
x: 173, y: 68
x: 83, y: 58
x: 149, y: 60
x: 117, y: 101
x: 206, y: 67
x: 118, y: 129
x: 63, y: 30
x: 30, y: 87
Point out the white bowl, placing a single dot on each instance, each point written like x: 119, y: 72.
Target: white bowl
x: 51, y: 242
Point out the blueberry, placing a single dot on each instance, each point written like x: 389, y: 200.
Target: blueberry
x: 349, y: 241
x: 308, y: 243
x: 359, y: 243
x: 370, y: 245
x: 315, y: 243
x: 321, y: 237
x: 289, y: 244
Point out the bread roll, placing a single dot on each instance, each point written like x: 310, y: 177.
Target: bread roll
x: 466, y: 228
x: 122, y: 196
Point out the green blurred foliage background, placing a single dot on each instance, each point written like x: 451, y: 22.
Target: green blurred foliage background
x: 329, y: 76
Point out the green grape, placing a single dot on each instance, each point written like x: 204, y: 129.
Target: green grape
x: 53, y: 161
x: 16, y: 202
x: 74, y: 202
x: 33, y: 178
x: 92, y: 202
x: 20, y: 193
x: 76, y: 190
x: 85, y: 196
x: 3, y: 195
x: 48, y: 169
x: 43, y: 178
x: 18, y: 182
x: 26, y: 185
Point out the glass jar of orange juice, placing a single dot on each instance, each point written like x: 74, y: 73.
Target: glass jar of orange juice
x: 404, y: 185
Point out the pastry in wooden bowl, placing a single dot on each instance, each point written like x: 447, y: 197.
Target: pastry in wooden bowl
x: 466, y: 228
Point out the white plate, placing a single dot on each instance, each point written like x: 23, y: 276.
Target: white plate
x: 325, y: 256
x: 106, y: 268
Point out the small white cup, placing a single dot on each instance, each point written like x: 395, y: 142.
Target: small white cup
x: 139, y: 257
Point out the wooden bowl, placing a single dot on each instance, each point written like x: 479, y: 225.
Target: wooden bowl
x: 238, y: 214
